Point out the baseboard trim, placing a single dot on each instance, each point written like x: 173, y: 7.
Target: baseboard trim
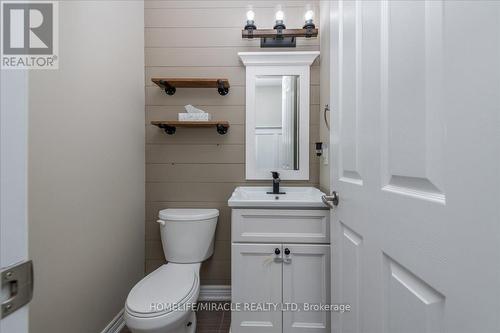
x: 215, y: 293
x: 207, y: 293
x: 116, y: 325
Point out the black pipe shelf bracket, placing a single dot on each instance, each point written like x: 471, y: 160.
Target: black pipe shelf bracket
x: 169, y: 89
x: 222, y: 88
x: 169, y: 129
x: 222, y: 128
x: 170, y: 85
x: 170, y: 126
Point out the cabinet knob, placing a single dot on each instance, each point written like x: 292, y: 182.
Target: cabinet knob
x: 277, y: 251
x: 287, y: 251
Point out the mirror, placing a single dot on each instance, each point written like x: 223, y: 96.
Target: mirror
x: 276, y: 122
x: 277, y: 114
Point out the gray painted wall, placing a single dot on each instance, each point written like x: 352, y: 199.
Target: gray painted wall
x: 198, y: 167
x: 86, y: 168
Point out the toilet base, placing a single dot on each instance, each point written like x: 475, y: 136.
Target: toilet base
x: 187, y: 326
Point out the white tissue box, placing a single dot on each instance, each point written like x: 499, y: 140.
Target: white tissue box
x: 195, y: 116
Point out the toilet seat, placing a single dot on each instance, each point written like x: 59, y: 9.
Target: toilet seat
x: 170, y: 285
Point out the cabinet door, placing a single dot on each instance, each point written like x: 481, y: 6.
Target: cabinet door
x: 306, y: 280
x: 256, y: 279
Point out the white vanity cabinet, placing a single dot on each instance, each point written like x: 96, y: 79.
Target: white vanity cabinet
x: 280, y: 235
x: 280, y: 256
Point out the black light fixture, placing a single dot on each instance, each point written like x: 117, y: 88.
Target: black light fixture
x: 279, y: 36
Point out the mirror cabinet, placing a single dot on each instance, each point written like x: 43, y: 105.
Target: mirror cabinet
x: 277, y: 114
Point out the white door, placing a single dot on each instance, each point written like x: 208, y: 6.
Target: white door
x: 256, y: 279
x: 306, y: 280
x: 13, y: 185
x: 416, y: 150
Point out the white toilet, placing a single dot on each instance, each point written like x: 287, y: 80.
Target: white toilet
x: 162, y: 301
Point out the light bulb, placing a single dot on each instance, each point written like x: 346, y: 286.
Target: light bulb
x: 250, y: 15
x: 250, y: 25
x: 280, y: 15
x: 309, y: 15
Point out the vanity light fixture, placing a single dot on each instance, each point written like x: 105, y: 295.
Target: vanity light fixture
x: 279, y: 36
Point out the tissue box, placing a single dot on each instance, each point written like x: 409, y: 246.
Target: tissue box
x: 195, y: 116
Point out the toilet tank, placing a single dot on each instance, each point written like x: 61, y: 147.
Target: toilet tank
x: 187, y: 235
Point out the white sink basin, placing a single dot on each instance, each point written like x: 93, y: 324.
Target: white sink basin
x: 296, y: 197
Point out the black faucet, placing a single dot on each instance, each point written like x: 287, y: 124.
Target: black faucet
x: 276, y: 183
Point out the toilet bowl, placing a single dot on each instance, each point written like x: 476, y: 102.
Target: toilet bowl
x: 163, y: 301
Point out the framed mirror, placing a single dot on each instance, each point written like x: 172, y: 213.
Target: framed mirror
x: 277, y: 114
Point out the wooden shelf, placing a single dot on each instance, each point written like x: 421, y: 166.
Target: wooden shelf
x: 169, y: 126
x: 170, y: 85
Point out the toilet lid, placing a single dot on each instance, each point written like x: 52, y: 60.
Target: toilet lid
x: 169, y: 285
x: 187, y: 214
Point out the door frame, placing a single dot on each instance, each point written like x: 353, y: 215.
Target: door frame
x: 14, y: 106
x: 333, y: 62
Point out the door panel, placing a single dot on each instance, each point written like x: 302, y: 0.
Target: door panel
x: 404, y: 294
x: 256, y: 278
x: 350, y: 96
x: 306, y: 279
x: 348, y: 255
x: 411, y: 45
x: 415, y: 96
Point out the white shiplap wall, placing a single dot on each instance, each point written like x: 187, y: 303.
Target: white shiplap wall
x: 198, y: 167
